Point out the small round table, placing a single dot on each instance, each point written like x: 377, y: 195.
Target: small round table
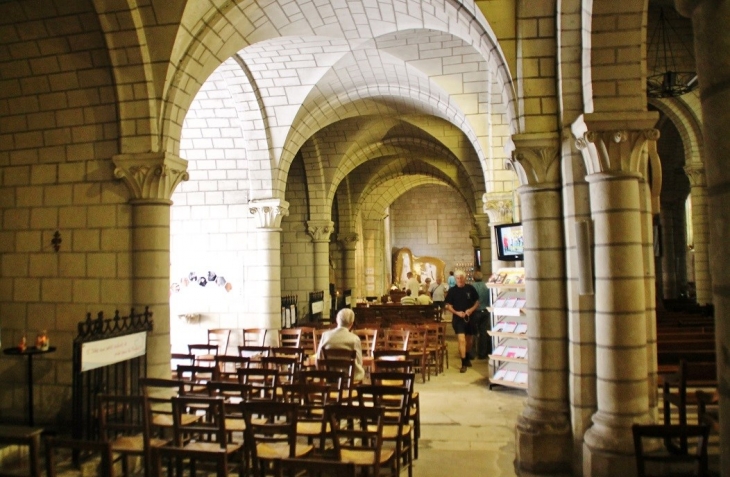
x: 29, y: 352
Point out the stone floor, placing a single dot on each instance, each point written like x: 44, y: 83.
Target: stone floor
x: 467, y: 430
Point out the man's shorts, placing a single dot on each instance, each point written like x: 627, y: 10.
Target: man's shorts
x: 462, y: 327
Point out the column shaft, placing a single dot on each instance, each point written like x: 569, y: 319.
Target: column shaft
x: 322, y: 271
x: 543, y: 429
x: 647, y: 236
x: 151, y: 276
x: 263, y: 283
x: 621, y: 345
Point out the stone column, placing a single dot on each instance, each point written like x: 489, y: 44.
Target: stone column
x: 543, y: 430
x: 263, y: 280
x: 614, y: 149
x: 498, y: 207
x: 700, y: 232
x: 151, y: 179
x: 484, y: 234
x: 320, y: 231
x: 711, y: 37
x: 349, y: 245
x: 648, y: 203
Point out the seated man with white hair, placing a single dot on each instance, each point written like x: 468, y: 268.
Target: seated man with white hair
x: 342, y: 338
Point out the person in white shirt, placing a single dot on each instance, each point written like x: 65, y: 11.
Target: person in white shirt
x: 342, y: 338
x: 438, y: 294
x: 413, y: 285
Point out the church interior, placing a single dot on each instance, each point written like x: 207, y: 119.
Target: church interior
x: 207, y: 158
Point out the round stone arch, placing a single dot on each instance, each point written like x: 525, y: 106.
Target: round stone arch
x: 214, y: 34
x: 688, y: 125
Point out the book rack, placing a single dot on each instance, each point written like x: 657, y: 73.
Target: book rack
x: 508, y: 329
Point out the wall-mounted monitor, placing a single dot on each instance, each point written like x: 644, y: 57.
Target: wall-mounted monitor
x: 510, y: 242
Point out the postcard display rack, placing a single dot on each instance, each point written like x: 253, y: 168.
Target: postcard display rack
x: 508, y: 361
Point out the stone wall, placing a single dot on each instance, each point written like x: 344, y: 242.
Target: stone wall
x: 410, y: 213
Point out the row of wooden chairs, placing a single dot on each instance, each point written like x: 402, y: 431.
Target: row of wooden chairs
x: 426, y: 344
x: 120, y: 422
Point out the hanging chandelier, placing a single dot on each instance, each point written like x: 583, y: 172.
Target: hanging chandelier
x: 665, y: 80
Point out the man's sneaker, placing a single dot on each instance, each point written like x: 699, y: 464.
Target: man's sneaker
x: 463, y: 369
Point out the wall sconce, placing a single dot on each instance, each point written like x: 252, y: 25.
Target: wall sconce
x: 56, y: 241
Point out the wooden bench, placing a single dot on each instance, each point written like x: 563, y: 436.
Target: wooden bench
x: 23, y: 436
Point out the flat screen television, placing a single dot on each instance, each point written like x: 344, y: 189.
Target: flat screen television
x: 510, y: 242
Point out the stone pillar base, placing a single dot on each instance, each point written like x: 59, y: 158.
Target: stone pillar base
x: 543, y: 448
x: 599, y: 463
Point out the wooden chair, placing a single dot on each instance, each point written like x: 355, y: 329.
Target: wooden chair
x: 313, y: 468
x: 418, y: 353
x: 347, y: 368
x: 177, y: 359
x: 253, y: 352
x: 226, y: 367
x: 286, y: 366
x: 407, y: 380
x: 158, y: 394
x: 220, y: 337
x: 203, y: 353
x: 233, y: 394
x: 87, y: 449
x: 311, y: 399
x: 195, y: 377
x: 271, y: 433
x: 358, y: 437
x: 290, y: 338
x: 368, y: 340
x: 434, y: 351
x: 333, y: 378
x: 122, y: 423
x: 662, y: 459
x: 395, y: 339
x: 708, y: 409
x: 254, y: 337
x: 306, y: 340
x: 201, y: 439
x: 675, y: 394
x: 299, y: 353
x: 395, y: 400
x: 263, y: 381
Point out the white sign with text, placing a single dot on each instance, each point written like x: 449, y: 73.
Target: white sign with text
x: 113, y: 350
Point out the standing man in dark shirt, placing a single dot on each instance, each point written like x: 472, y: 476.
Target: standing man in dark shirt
x: 462, y: 301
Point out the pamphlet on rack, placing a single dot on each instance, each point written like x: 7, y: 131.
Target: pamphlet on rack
x: 498, y: 351
x: 499, y: 375
x: 510, y: 327
x: 521, y: 329
x: 521, y: 378
x: 499, y: 326
x: 510, y: 376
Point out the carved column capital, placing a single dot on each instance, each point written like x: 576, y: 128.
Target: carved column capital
x: 616, y: 142
x: 536, y: 158
x: 151, y: 177
x: 696, y: 175
x: 268, y: 212
x: 498, y: 206
x: 320, y: 230
x: 348, y: 240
